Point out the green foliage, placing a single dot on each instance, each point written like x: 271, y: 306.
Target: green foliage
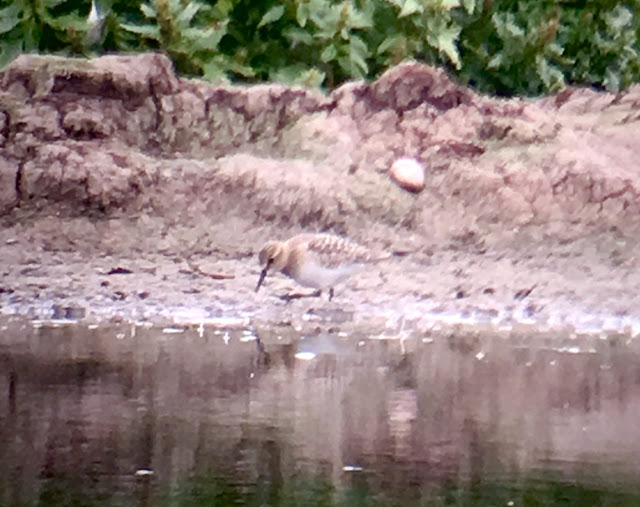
x: 39, y: 25
x: 189, y: 32
x: 499, y: 46
x: 602, y: 44
x: 534, y: 47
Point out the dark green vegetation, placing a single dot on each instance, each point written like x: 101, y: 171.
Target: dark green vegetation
x: 498, y: 46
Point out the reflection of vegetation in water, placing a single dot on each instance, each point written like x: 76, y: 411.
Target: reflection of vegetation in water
x: 364, y: 490
x: 72, y: 492
x: 207, y: 491
x: 310, y: 491
x: 534, y: 493
x: 86, y: 411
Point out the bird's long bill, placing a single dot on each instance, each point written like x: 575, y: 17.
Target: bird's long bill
x: 263, y: 274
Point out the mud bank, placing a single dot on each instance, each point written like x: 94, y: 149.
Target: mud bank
x: 127, y: 192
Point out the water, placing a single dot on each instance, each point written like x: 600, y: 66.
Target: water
x: 129, y: 415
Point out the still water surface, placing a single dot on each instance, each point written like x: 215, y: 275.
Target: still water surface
x: 128, y: 415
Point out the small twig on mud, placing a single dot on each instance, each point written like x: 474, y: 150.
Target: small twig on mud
x: 215, y: 276
x: 119, y: 271
x: 523, y: 293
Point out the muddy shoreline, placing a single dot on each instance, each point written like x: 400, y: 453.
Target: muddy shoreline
x: 574, y: 287
x: 139, y: 196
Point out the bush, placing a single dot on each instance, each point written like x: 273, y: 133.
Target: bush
x: 498, y: 46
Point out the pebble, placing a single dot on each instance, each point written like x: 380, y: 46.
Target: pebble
x: 409, y: 174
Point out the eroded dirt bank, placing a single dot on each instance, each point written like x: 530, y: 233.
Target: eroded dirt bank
x: 126, y: 191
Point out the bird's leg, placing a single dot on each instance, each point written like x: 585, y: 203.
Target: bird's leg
x: 330, y: 293
x: 297, y: 295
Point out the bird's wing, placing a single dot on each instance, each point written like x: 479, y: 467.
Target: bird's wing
x: 335, y: 250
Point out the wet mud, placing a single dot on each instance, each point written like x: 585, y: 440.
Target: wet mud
x: 128, y: 193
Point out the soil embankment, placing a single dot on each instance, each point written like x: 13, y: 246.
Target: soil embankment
x: 127, y: 191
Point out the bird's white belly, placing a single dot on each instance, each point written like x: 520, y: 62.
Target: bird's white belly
x: 313, y: 274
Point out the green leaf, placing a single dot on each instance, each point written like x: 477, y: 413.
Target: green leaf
x: 354, y: 63
x: 9, y: 51
x: 447, y: 44
x: 209, y: 38
x: 361, y: 20
x: 150, y: 31
x: 174, y: 5
x: 298, y: 74
x: 390, y: 42
x: 302, y: 14
x: 49, y: 4
x: 359, y: 45
x: 43, y: 6
x: 298, y: 36
x: 550, y: 75
x: 242, y: 69
x: 329, y: 53
x: 313, y: 78
x: 272, y: 15
x: 469, y: 5
x: 63, y: 23
x: 288, y: 74
x: 506, y: 25
x: 187, y: 14
x: 9, y: 17
x: 495, y: 62
x: 611, y: 80
x: 350, y: 67
x: 213, y: 72
x: 358, y: 59
x: 327, y: 20
x: 223, y: 8
x: 618, y: 18
x: 32, y: 33
x: 148, y: 11
x: 410, y: 7
x: 447, y: 5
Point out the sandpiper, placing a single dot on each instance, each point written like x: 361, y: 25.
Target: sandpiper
x: 315, y: 260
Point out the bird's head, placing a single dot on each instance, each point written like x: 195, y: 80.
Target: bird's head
x: 272, y: 256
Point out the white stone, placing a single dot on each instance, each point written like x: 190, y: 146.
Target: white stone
x: 409, y: 174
